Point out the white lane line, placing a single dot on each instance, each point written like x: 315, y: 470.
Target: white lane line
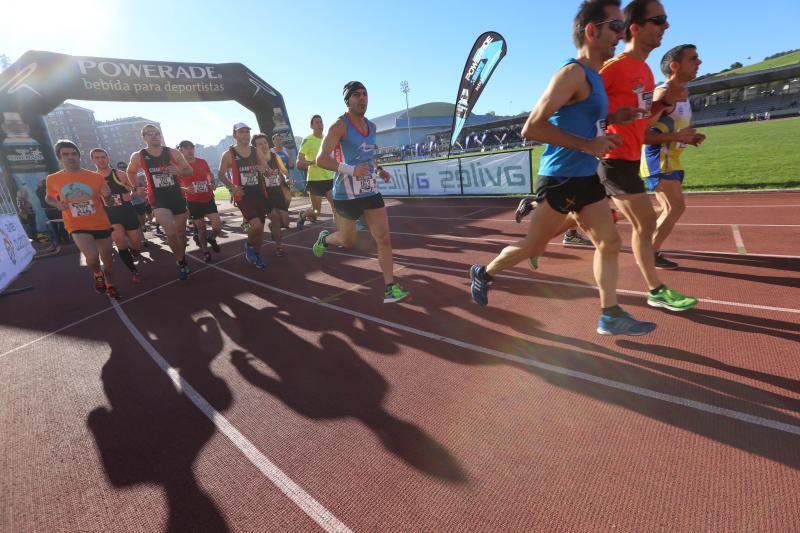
x: 473, y: 212
x: 463, y: 272
x: 640, y: 391
x: 737, y: 238
x: 315, y: 510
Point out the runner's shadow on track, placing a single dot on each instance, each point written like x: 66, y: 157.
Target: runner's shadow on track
x: 327, y: 382
x: 781, y: 281
x: 745, y: 323
x: 152, y: 433
x: 776, y: 263
x: 745, y: 392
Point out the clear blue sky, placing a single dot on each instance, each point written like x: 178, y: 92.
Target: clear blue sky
x: 308, y: 50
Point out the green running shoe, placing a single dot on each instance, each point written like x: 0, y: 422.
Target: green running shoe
x: 534, y: 261
x: 671, y: 299
x: 319, y: 246
x: 394, y: 293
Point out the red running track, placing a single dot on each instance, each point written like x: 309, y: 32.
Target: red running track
x: 291, y: 399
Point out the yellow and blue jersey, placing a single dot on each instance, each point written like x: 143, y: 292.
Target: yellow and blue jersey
x: 666, y: 158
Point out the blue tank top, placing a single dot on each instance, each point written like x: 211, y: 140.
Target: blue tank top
x: 356, y: 148
x: 583, y: 120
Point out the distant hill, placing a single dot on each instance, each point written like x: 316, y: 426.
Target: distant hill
x: 778, y: 60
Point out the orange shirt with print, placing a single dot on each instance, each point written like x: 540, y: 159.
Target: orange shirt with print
x: 628, y: 82
x: 81, y: 192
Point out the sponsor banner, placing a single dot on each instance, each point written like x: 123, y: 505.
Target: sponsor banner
x: 434, y: 178
x: 16, y: 252
x: 398, y: 185
x: 506, y: 173
x: 484, y: 57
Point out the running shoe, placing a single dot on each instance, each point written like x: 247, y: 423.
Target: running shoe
x: 319, y: 246
x: 137, y: 277
x: 301, y: 221
x: 212, y: 241
x: 480, y: 285
x: 394, y: 293
x: 615, y: 215
x: 183, y: 270
x: 623, y: 325
x: 573, y: 238
x: 250, y: 253
x: 113, y: 292
x: 671, y: 299
x: 360, y: 226
x: 259, y: 263
x: 100, y: 283
x: 534, y: 262
x: 207, y: 257
x: 525, y: 206
x: 279, y: 252
x: 663, y: 263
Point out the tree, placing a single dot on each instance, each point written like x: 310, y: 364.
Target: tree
x: 5, y: 62
x: 736, y: 65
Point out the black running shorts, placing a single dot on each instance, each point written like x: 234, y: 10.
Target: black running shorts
x: 124, y: 215
x: 353, y: 209
x: 276, y: 198
x: 96, y: 233
x: 620, y: 177
x: 198, y: 210
x: 569, y: 195
x: 255, y: 206
x: 320, y: 187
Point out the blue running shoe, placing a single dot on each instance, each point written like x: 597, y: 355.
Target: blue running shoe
x: 259, y: 263
x: 183, y: 270
x: 623, y: 325
x: 480, y: 285
x: 360, y: 226
x: 250, y: 253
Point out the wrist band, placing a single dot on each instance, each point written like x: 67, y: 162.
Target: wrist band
x: 344, y: 168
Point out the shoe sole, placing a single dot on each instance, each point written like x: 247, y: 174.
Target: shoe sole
x: 609, y: 333
x: 394, y: 300
x: 667, y: 267
x: 668, y: 307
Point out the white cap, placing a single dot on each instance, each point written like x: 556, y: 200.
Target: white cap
x: 240, y: 125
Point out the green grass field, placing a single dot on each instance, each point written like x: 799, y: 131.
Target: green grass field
x: 787, y: 59
x: 751, y: 155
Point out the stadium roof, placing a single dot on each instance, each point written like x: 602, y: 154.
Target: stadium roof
x: 430, y: 114
x: 710, y: 85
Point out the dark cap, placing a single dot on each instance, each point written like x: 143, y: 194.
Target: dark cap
x: 184, y: 144
x: 350, y: 88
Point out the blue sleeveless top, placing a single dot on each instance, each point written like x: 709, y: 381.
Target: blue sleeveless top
x: 356, y: 148
x: 580, y: 119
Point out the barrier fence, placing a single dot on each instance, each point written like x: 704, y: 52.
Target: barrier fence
x: 499, y: 173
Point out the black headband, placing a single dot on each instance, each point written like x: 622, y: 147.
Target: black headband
x: 350, y: 88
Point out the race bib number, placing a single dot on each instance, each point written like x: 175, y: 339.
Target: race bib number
x: 114, y: 200
x: 249, y: 179
x: 273, y: 181
x: 163, y: 180
x: 82, y: 209
x: 601, y: 126
x: 645, y: 101
x: 365, y: 185
x: 200, y: 186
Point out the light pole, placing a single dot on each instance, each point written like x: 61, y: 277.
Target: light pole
x: 404, y: 89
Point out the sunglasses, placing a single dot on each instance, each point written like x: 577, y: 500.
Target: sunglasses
x: 658, y: 20
x: 151, y: 133
x: 616, y: 25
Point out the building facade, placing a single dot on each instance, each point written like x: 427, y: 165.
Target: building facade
x: 123, y: 136
x: 69, y: 121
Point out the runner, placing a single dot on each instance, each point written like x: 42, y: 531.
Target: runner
x: 78, y: 194
x: 569, y: 117
x: 286, y: 181
x: 320, y: 180
x: 199, y: 192
x: 247, y: 189
x: 355, y: 192
x: 120, y: 211
x: 629, y: 82
x: 139, y: 200
x: 665, y: 141
x: 275, y: 195
x: 161, y: 165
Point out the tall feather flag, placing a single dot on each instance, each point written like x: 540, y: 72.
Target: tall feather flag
x: 484, y: 57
